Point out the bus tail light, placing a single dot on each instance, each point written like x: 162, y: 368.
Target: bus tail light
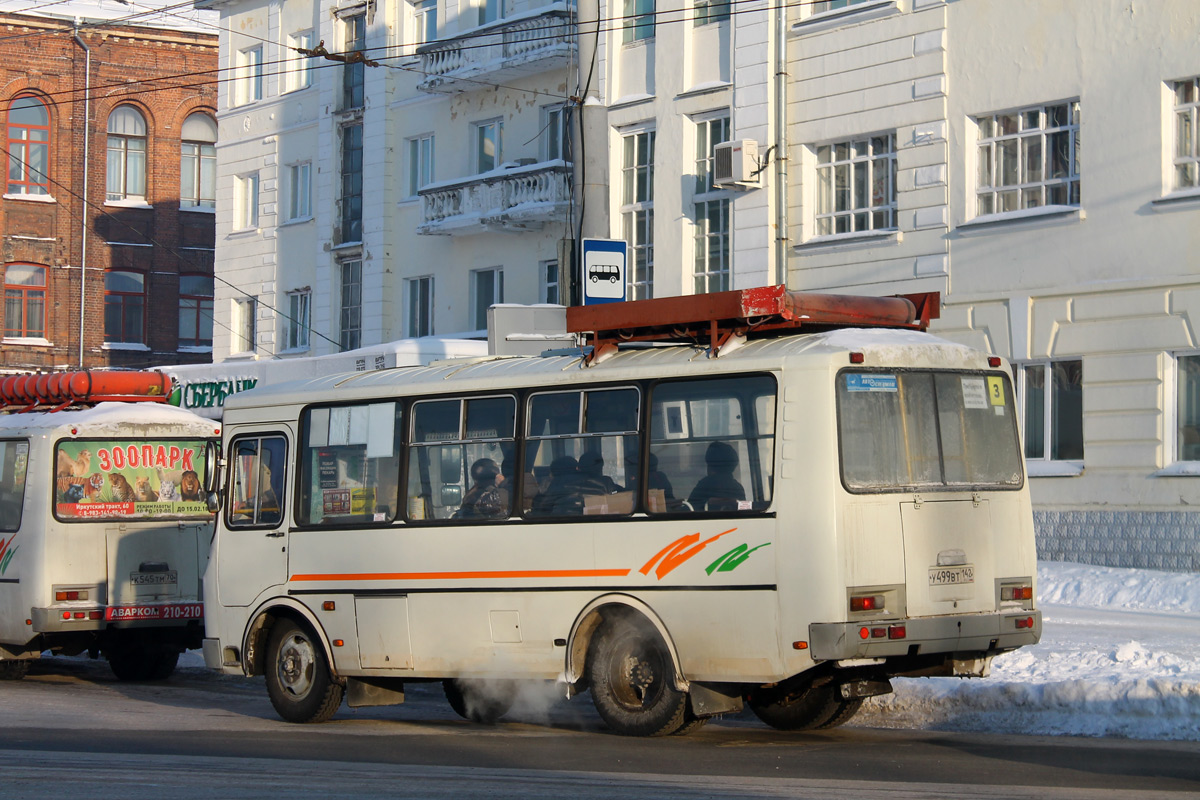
x: 69, y: 595
x: 993, y: 361
x: 897, y: 632
x: 866, y: 602
x: 1016, y: 592
x: 1024, y: 622
x: 857, y: 358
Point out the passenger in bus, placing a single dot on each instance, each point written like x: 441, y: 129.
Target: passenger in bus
x: 487, y: 498
x: 591, y: 468
x: 563, y: 495
x: 718, y: 490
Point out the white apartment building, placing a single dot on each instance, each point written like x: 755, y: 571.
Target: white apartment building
x: 1036, y: 162
x: 395, y: 194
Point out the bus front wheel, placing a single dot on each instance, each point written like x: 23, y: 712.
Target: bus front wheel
x: 298, y: 679
x: 804, y: 709
x: 629, y: 671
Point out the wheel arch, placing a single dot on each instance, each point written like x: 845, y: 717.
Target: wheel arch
x: 254, y: 641
x: 614, y: 607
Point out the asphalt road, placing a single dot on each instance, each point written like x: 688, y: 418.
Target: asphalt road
x: 70, y: 728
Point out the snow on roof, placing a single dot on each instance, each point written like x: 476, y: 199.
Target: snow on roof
x: 110, y: 419
x: 142, y: 13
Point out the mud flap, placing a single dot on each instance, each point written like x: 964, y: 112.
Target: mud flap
x: 708, y: 701
x: 864, y: 688
x: 363, y: 692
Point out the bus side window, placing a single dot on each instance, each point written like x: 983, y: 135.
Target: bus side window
x: 256, y: 489
x: 712, y: 445
x: 14, y: 459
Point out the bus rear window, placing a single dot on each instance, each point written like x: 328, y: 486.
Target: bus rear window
x: 128, y: 479
x: 14, y: 458
x: 927, y: 430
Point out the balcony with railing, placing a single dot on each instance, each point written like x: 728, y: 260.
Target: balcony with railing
x: 536, y: 41
x: 517, y: 197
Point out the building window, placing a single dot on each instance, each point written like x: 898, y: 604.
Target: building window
x: 352, y: 183
x: 710, y: 11
x: 856, y: 186
x: 490, y: 11
x: 354, y: 73
x: 639, y: 21
x: 420, y: 163
x: 487, y: 138
x: 425, y: 22
x: 300, y: 191
x: 832, y: 5
x: 549, y: 270
x: 249, y: 75
x: 487, y: 289
x: 126, y: 154
x: 300, y: 66
x: 28, y: 147
x: 420, y: 306
x: 245, y: 325
x: 711, y: 221
x: 246, y: 202
x: 124, y: 307
x: 1052, y: 406
x: 296, y: 337
x: 1187, y: 133
x: 25, y: 301
x: 1028, y: 159
x: 556, y: 133
x: 195, y: 310
x: 198, y: 163
x: 637, y: 210
x: 351, y: 307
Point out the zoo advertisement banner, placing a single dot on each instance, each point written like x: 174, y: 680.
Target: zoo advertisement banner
x: 130, y: 479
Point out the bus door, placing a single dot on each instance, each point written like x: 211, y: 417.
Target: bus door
x: 252, y: 551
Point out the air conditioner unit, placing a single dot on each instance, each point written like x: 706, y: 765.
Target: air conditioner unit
x: 735, y: 164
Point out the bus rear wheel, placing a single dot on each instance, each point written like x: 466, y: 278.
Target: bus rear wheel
x: 804, y: 708
x: 298, y: 679
x: 629, y: 670
x: 140, y: 661
x: 480, y: 701
x: 14, y: 670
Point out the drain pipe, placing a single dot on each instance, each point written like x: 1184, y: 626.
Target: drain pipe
x: 87, y: 115
x: 781, y: 147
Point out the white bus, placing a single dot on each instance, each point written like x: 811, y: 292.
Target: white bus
x: 791, y: 525
x: 104, y: 526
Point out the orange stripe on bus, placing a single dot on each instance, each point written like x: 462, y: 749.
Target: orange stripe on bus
x: 459, y: 576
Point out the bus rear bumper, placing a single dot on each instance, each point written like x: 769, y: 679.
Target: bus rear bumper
x: 966, y: 633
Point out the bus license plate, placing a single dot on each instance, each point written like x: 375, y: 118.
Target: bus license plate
x: 951, y: 576
x: 153, y: 578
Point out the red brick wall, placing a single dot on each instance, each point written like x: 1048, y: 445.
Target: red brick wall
x: 128, y: 65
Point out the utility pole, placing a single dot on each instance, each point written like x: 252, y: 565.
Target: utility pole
x: 590, y: 132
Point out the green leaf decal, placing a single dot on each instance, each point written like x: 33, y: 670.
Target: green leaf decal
x: 733, y: 559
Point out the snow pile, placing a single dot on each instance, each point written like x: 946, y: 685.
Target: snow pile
x: 1119, y: 656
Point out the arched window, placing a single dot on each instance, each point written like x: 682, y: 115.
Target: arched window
x: 28, y: 146
x: 124, y: 306
x: 126, y: 154
x: 198, y: 163
x: 25, y: 301
x: 195, y: 310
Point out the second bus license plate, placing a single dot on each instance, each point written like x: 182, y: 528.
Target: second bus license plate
x: 951, y: 576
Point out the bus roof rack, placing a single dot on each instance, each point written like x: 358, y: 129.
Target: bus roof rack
x: 726, y: 319
x: 55, y: 391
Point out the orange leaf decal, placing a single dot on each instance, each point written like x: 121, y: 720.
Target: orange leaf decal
x: 678, y: 552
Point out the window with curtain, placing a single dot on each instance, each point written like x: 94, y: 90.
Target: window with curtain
x: 198, y: 162
x: 25, y: 301
x: 28, y: 146
x: 195, y: 310
x: 126, y: 154
x: 124, y: 307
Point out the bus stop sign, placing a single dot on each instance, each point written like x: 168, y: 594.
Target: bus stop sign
x: 603, y: 279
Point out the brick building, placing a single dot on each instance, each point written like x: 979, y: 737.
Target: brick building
x: 117, y: 184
